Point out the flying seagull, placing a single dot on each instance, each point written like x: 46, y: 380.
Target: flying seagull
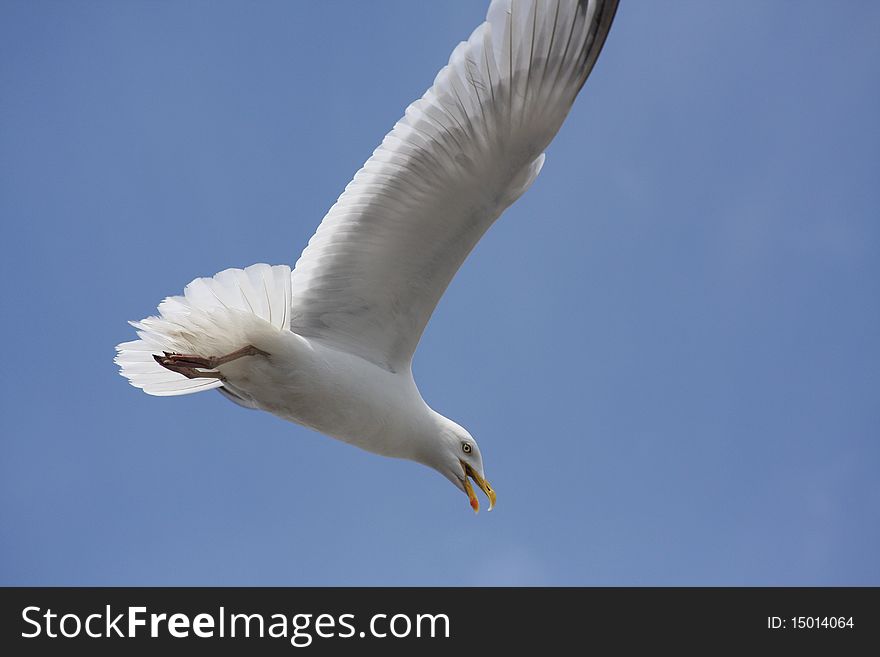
x: 329, y: 345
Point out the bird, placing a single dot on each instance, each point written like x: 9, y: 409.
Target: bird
x: 329, y: 344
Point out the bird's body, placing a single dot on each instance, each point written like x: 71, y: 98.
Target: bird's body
x: 333, y: 392
x: 329, y: 345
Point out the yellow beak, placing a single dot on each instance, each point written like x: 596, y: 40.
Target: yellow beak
x: 482, y: 483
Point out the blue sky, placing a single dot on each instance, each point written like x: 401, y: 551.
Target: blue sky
x: 667, y: 349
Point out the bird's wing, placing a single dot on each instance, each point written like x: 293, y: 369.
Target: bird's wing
x: 371, y: 275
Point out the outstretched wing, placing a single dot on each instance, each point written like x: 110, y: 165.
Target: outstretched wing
x: 370, y: 277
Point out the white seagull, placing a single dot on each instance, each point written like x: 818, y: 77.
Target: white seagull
x: 329, y: 345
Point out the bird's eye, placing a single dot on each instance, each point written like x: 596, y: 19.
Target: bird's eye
x: 466, y: 448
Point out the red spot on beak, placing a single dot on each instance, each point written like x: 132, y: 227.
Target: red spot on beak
x: 475, y: 504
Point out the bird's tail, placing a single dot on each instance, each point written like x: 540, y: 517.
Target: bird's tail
x: 215, y: 316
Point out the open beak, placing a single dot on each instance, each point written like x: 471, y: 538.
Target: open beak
x: 482, y: 483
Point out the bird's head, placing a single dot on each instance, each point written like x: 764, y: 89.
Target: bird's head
x: 457, y: 457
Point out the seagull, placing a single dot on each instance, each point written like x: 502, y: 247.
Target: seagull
x: 329, y: 344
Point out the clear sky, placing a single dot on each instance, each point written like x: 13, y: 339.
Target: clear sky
x: 668, y: 349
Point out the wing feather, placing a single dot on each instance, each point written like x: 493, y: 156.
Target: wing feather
x: 375, y: 269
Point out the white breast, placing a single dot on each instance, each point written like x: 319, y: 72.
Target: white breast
x: 334, y: 392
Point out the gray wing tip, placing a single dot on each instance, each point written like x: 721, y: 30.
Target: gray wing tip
x: 602, y: 21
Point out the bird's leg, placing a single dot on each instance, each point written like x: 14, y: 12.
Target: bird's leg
x: 249, y: 350
x: 187, y: 360
x: 187, y: 364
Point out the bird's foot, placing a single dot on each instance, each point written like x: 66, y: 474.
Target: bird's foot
x: 192, y: 367
x: 186, y: 365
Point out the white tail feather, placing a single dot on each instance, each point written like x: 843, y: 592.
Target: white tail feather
x: 212, y: 318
